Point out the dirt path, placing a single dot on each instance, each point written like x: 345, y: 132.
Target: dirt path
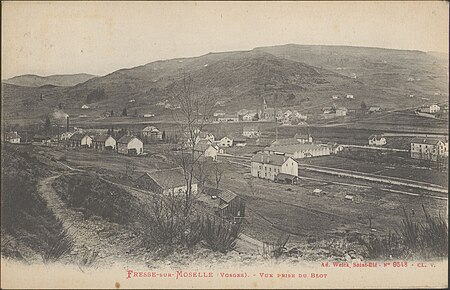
x: 111, y: 241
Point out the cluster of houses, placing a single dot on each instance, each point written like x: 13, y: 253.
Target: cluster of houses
x: 264, y: 113
x: 433, y: 111
x: 332, y: 112
x: 131, y: 145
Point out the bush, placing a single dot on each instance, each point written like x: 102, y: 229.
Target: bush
x: 275, y: 250
x: 58, y: 246
x: 423, y: 239
x: 221, y: 236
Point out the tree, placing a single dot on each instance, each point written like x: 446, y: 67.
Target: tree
x: 218, y: 170
x: 163, y: 136
x: 112, y: 113
x: 60, y: 106
x: 135, y: 112
x: 363, y: 106
x: 47, y: 125
x: 193, y: 114
x: 124, y: 112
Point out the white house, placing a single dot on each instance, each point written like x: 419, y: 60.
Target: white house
x: 268, y: 166
x: 103, y: 142
x: 85, y: 107
x: 152, y: 132
x: 225, y: 142
x: 434, y: 108
x: 429, y: 148
x: 249, y: 117
x: 219, y: 113
x: 12, y: 137
x: 130, y: 145
x: 377, y: 140
x: 349, y: 96
x: 206, y: 149
x: 251, y: 132
x: 303, y: 138
x: 374, y: 109
x: 341, y: 111
x: 80, y: 140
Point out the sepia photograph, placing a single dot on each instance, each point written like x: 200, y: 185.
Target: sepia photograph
x: 224, y: 145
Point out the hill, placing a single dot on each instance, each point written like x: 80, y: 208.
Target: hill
x: 66, y: 80
x: 303, y: 77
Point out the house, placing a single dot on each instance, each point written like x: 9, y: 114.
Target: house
x: 230, y: 205
x: 41, y: 139
x: 152, y: 132
x: 335, y: 148
x: 12, y: 137
x: 286, y: 178
x: 148, y: 115
x: 207, y: 150
x: 251, y: 131
x: 167, y: 182
x: 268, y: 166
x: 239, y: 141
x: 219, y: 113
x: 284, y: 142
x: 303, y: 138
x: 327, y: 110
x: 228, y: 118
x: 104, y: 142
x: 374, y: 109
x: 300, y: 116
x: 299, y: 150
x: 250, y: 116
x: 349, y: 96
x: 242, y: 112
x: 434, y: 108
x: 341, y: 111
x: 429, y: 148
x: 377, y: 140
x: 65, y: 136
x: 80, y: 140
x: 85, y: 107
x: 225, y: 142
x: 335, y: 97
x: 130, y: 145
x: 287, y: 114
x: 205, y: 136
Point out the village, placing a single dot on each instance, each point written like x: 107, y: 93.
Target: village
x: 299, y: 159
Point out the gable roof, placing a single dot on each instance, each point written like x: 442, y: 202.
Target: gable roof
x: 78, y: 136
x: 101, y: 138
x: 126, y: 139
x: 150, y: 129
x: 293, y: 148
x: 286, y: 141
x: 301, y: 136
x: 167, y: 179
x: 12, y: 135
x: 428, y: 141
x: 377, y: 137
x: 268, y: 159
x: 227, y: 196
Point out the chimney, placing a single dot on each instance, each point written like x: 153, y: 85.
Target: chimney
x: 68, y: 123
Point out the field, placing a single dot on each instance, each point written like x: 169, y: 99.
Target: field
x: 276, y: 208
x: 401, y: 171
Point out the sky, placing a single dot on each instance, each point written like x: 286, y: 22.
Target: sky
x: 46, y: 38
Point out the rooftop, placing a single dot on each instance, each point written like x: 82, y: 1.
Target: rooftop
x: 428, y: 141
x: 77, y: 136
x: 126, y: 139
x: 227, y: 196
x: 293, y: 148
x: 101, y: 138
x: 167, y: 179
x: 268, y: 159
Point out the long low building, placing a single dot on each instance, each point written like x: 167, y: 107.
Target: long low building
x: 298, y: 150
x: 168, y: 182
